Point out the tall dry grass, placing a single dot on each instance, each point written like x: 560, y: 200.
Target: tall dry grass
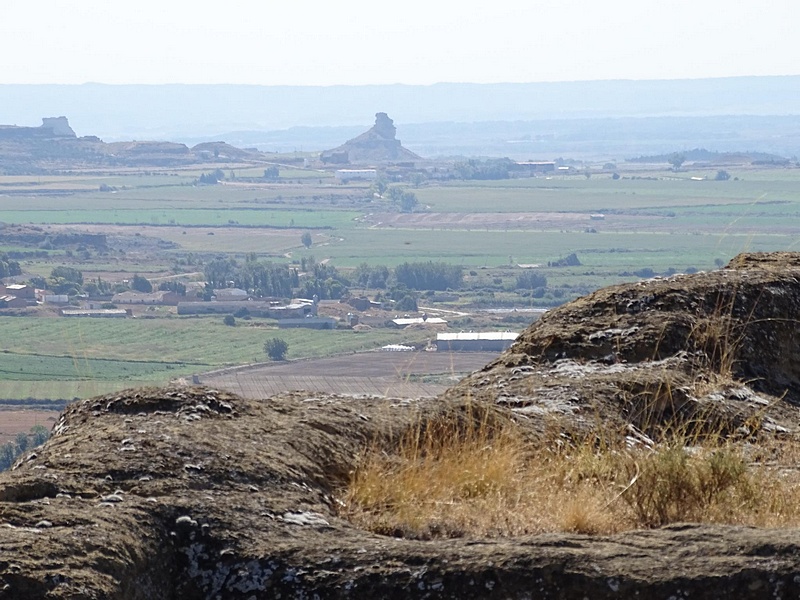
x: 482, y: 476
x: 448, y: 479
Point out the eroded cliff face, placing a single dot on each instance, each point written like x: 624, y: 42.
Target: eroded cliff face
x: 195, y: 493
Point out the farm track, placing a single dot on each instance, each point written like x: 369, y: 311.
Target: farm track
x: 368, y: 373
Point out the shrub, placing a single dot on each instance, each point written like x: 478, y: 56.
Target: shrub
x: 276, y: 348
x: 530, y: 279
x: 229, y: 320
x: 407, y: 302
x: 571, y: 260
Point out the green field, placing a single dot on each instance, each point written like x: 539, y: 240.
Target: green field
x: 183, y: 217
x: 577, y: 194
x: 119, y: 353
x: 653, y: 220
x: 498, y: 248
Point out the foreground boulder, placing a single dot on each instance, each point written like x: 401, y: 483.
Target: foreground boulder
x: 196, y: 493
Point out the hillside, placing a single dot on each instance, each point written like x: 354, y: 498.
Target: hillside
x: 189, y: 492
x: 54, y: 146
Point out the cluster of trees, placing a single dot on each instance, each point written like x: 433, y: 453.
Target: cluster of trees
x: 402, y: 200
x: 141, y: 284
x: 531, y: 280
x: 323, y: 281
x: 10, y: 451
x: 212, y: 178
x: 405, y: 299
x: 570, y: 260
x: 326, y: 282
x: 65, y: 280
x: 492, y: 168
x: 371, y: 277
x: 9, y: 267
x: 173, y: 286
x: 99, y: 287
x: 69, y: 281
x: 265, y: 278
x: 429, y: 275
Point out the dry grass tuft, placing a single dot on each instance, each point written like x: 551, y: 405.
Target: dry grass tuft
x: 448, y: 478
x: 476, y: 474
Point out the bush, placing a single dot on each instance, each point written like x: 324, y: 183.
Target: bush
x: 429, y: 276
x: 571, y: 260
x: 141, y: 284
x: 530, y: 279
x: 276, y: 348
x: 229, y: 320
x: 407, y: 302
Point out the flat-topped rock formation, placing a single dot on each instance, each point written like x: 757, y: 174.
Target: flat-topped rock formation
x: 51, y: 127
x: 54, y: 146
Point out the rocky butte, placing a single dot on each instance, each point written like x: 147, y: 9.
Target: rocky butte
x: 188, y: 492
x: 379, y: 144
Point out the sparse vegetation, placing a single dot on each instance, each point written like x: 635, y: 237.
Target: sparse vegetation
x: 445, y: 479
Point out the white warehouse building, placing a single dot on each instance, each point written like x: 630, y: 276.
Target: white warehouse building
x: 488, y: 341
x: 345, y: 175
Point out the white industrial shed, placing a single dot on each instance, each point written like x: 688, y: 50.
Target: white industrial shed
x: 488, y: 341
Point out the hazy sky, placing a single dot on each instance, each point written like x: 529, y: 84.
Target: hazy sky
x: 314, y: 42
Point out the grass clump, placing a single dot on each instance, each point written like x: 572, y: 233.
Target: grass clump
x: 483, y: 477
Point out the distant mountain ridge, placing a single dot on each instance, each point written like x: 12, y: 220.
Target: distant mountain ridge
x: 116, y: 112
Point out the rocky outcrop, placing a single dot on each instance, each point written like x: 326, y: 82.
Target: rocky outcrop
x: 51, y: 127
x: 376, y: 145
x: 716, y: 349
x: 196, y: 493
x: 54, y: 146
x: 59, y: 126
